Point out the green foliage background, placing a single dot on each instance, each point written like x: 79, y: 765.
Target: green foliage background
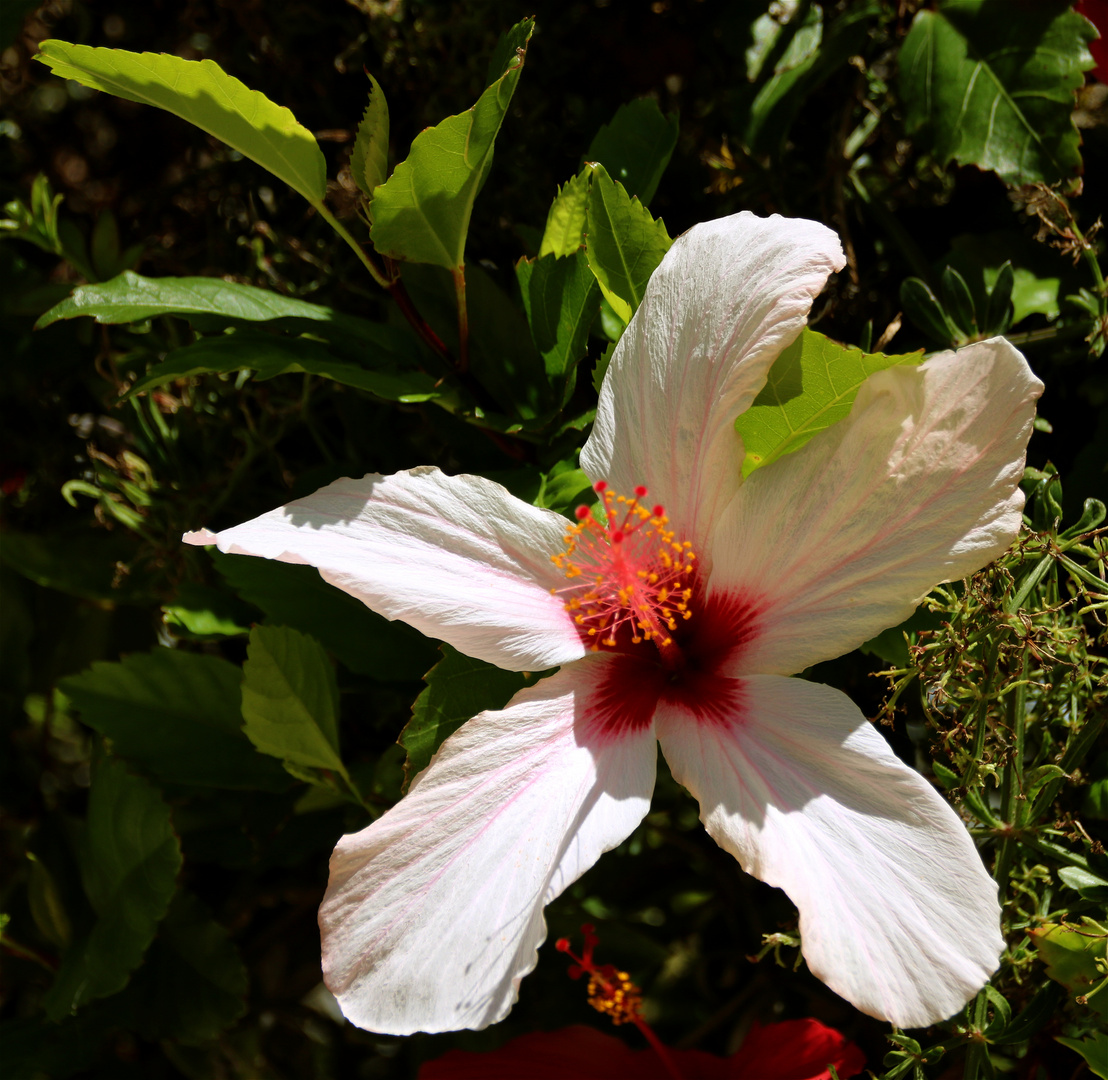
x: 243, y: 355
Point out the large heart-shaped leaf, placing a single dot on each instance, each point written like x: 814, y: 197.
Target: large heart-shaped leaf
x: 991, y: 84
x: 200, y: 92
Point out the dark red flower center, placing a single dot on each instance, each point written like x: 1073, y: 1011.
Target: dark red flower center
x: 635, y: 590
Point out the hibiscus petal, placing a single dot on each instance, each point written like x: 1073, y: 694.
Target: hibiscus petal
x: 897, y: 913
x: 457, y: 557
x: 919, y: 484
x: 433, y: 913
x: 727, y: 298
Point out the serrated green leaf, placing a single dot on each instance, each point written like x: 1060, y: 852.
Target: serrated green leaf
x: 270, y: 355
x: 297, y: 596
x: 458, y: 688
x: 369, y: 164
x: 1071, y: 957
x: 561, y: 299
x: 602, y: 363
x: 992, y: 85
x: 176, y: 715
x: 129, y: 859
x: 421, y: 213
x: 636, y: 146
x: 625, y: 244
x: 1094, y: 1049
x: 290, y: 700
x: 200, y: 92
x: 565, y: 221
x: 811, y: 386
x: 193, y: 983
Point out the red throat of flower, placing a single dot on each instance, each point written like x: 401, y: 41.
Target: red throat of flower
x: 632, y: 577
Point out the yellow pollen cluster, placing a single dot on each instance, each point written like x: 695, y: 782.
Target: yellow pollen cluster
x: 630, y: 572
x: 615, y: 995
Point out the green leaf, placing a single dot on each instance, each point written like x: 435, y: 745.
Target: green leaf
x: 565, y: 221
x: 79, y: 561
x: 129, y: 858
x: 565, y: 487
x: 200, y: 92
x: 811, y: 386
x: 813, y: 53
x: 270, y: 355
x: 958, y: 302
x: 290, y: 699
x: 1071, y: 957
x: 132, y: 298
x: 998, y: 310
x: 458, y: 688
x: 1093, y: 1048
x: 177, y: 715
x: 297, y: 596
x: 625, y: 244
x: 198, y: 611
x: 193, y: 983
x: 1090, y: 886
x: 421, y: 213
x: 923, y: 308
x: 636, y: 146
x: 561, y: 299
x: 1036, y: 270
x: 369, y: 161
x: 990, y: 85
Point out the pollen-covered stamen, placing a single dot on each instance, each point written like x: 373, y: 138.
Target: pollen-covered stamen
x: 631, y: 572
x: 610, y: 991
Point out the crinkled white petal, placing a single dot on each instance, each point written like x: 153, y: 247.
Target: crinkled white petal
x: 433, y: 914
x: 726, y: 299
x: 919, y: 484
x: 457, y: 557
x: 897, y: 913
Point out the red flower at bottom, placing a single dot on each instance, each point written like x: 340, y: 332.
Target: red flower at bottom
x: 791, y: 1050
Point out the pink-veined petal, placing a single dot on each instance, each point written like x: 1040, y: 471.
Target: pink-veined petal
x: 457, y: 557
x: 919, y: 484
x: 726, y: 299
x: 433, y: 913
x: 897, y: 913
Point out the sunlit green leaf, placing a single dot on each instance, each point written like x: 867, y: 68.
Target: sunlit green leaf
x: 565, y: 222
x: 1071, y: 955
x: 811, y: 386
x: 290, y: 699
x: 421, y: 213
x: 176, y: 715
x: 200, y: 92
x: 129, y: 858
x: 625, y: 244
x: 992, y: 85
x: 636, y: 146
x: 369, y: 159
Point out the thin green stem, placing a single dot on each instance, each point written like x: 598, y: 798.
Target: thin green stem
x: 354, y: 245
x: 459, y: 275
